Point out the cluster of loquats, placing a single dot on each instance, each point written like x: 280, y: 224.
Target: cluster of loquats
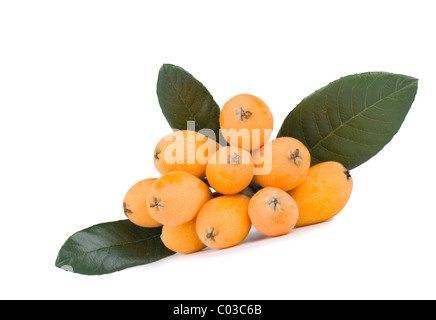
x: 211, y: 194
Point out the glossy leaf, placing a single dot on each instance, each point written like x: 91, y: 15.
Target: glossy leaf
x: 353, y: 118
x: 110, y: 247
x: 183, y: 98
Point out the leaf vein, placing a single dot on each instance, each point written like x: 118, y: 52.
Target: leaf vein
x: 360, y: 113
x: 184, y: 103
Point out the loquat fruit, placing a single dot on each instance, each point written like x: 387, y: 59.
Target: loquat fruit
x: 176, y: 197
x: 184, y: 150
x: 230, y: 170
x: 223, y: 222
x: 135, y: 206
x: 282, y: 163
x: 182, y: 238
x: 323, y: 194
x: 246, y: 122
x: 273, y: 212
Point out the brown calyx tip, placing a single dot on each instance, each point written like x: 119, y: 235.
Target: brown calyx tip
x: 234, y: 158
x: 157, y: 204
x: 347, y: 173
x: 295, y: 156
x: 156, y: 154
x: 243, y: 114
x: 126, y: 209
x: 211, y: 234
x: 274, y: 203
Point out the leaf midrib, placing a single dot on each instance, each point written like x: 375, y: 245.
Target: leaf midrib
x: 84, y: 253
x: 180, y: 97
x: 358, y: 114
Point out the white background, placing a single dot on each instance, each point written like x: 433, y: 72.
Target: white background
x: 80, y: 119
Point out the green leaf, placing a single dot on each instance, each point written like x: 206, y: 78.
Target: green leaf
x: 351, y: 119
x: 110, y: 247
x: 183, y: 98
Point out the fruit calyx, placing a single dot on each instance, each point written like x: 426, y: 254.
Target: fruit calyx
x: 127, y: 210
x: 243, y: 114
x: 295, y: 157
x: 211, y: 234
x: 234, y: 158
x: 156, y: 154
x: 274, y: 203
x: 157, y: 204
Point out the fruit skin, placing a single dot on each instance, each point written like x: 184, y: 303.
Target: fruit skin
x: 223, y: 222
x: 251, y: 120
x: 135, y: 206
x: 176, y: 197
x: 182, y: 238
x: 273, y: 212
x: 323, y: 194
x: 184, y: 150
x: 230, y: 170
x: 286, y: 161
